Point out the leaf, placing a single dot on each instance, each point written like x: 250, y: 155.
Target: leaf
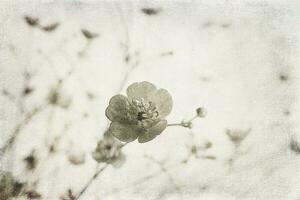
x: 27, y: 91
x: 88, y: 34
x: 31, y: 21
x: 31, y: 161
x: 295, y: 146
x: 150, y: 11
x: 32, y: 194
x: 50, y: 27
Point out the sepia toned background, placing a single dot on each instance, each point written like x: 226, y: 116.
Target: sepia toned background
x: 237, y: 59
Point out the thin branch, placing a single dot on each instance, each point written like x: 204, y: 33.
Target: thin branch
x: 175, y: 124
x: 13, y: 99
x: 92, y: 179
x: 29, y: 116
x: 143, y: 179
x: 126, y: 46
x: 132, y: 66
x: 185, y: 124
x: 167, y: 173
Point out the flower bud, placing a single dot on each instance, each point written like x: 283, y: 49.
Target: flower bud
x: 187, y: 124
x: 201, y: 112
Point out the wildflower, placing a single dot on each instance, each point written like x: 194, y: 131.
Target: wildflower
x: 108, y: 150
x: 141, y: 115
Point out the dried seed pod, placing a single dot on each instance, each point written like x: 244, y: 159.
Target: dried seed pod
x: 31, y: 21
x: 50, y: 27
x: 150, y: 11
x: 88, y: 34
x: 201, y: 112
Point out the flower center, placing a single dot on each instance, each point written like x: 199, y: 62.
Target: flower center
x: 141, y: 116
x: 146, y: 111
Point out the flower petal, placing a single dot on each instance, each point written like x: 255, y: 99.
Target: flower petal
x: 98, y: 156
x: 153, y: 132
x: 163, y: 101
x: 124, y: 132
x: 140, y: 90
x: 118, y: 108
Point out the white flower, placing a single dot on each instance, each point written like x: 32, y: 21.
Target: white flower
x: 108, y: 150
x: 141, y: 115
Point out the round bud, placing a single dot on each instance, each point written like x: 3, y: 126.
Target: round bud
x: 201, y: 112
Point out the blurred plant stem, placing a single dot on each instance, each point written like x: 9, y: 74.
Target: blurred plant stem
x: 28, y: 117
x: 185, y: 124
x: 92, y: 179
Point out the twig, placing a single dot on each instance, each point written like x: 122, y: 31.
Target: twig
x: 20, y: 126
x: 27, y: 119
x: 126, y: 46
x: 166, y: 172
x: 144, y: 179
x: 123, y: 82
x: 92, y: 179
x: 185, y: 124
x: 14, y: 99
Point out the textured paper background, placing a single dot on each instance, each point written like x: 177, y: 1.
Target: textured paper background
x: 238, y: 59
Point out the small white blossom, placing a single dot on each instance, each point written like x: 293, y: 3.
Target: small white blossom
x: 141, y: 115
x: 108, y: 150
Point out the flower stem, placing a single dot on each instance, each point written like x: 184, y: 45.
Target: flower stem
x: 192, y: 119
x: 177, y: 124
x: 92, y: 179
x: 185, y: 124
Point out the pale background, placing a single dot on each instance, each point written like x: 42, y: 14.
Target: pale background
x: 238, y: 59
